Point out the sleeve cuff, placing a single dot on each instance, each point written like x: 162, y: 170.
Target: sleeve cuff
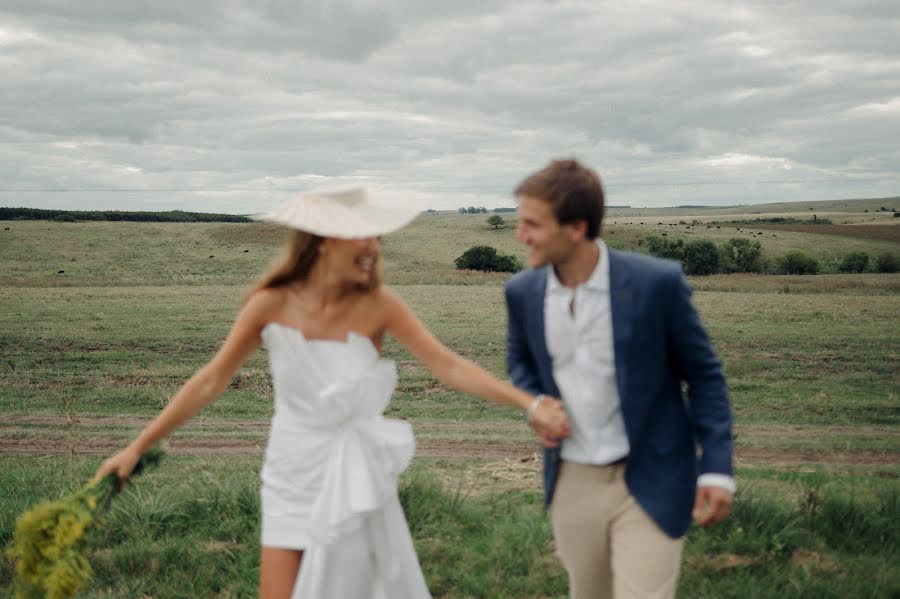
x: 723, y: 481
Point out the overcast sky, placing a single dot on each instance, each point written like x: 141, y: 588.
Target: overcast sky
x: 233, y: 105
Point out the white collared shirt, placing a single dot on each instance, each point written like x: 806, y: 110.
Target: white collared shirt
x: 579, y: 333
x: 578, y: 329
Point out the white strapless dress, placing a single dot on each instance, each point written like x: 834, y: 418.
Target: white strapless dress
x: 329, y: 480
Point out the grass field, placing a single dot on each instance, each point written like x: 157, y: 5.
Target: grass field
x: 88, y: 355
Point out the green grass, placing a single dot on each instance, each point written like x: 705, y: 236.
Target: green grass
x: 811, y: 361
x: 791, y: 358
x: 190, y: 529
x: 125, y: 254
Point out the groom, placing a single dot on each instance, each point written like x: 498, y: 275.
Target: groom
x: 615, y: 336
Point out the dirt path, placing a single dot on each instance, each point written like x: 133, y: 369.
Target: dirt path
x: 47, y: 435
x: 440, y: 448
x: 474, y: 427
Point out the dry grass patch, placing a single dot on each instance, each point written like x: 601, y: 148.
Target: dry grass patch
x: 885, y: 232
x: 844, y: 284
x: 813, y: 560
x: 723, y: 562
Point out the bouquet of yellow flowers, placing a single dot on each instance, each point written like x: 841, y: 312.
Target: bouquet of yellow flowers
x: 48, y: 546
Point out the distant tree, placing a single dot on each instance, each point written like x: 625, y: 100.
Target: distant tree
x: 486, y: 258
x: 496, y: 221
x: 483, y: 210
x: 741, y: 255
x: 461, y: 210
x: 854, y: 262
x: 796, y: 263
x: 887, y: 262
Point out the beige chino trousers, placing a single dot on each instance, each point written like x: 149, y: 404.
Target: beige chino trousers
x: 609, y: 546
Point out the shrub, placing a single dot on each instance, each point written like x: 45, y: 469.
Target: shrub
x: 486, y: 258
x: 741, y: 255
x: 663, y: 248
x: 886, y: 262
x: 829, y: 266
x: 701, y: 257
x: 854, y: 262
x: 796, y: 263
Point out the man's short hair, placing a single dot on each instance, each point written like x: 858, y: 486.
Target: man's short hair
x: 573, y: 191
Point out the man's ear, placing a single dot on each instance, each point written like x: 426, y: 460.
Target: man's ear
x: 578, y: 231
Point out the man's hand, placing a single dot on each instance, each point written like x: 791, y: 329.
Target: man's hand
x: 713, y: 505
x: 550, y: 422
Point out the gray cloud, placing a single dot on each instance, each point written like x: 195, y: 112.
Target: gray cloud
x: 234, y: 106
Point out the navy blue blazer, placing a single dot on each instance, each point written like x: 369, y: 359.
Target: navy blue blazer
x: 659, y: 342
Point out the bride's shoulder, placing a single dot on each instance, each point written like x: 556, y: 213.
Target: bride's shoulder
x: 385, y: 297
x: 265, y: 301
x: 390, y: 307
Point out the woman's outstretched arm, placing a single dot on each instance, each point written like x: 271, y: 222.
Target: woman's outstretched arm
x: 464, y: 375
x: 206, y: 385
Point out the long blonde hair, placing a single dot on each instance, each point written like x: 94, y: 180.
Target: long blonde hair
x: 300, y: 255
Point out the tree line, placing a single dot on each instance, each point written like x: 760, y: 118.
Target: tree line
x: 703, y: 257
x: 171, y: 216
x: 481, y: 210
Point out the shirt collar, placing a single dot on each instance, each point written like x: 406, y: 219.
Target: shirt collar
x: 598, y: 281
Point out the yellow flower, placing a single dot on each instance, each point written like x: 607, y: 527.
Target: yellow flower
x: 47, y: 542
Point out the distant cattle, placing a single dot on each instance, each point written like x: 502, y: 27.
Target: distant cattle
x: 212, y: 256
x: 6, y: 229
x: 245, y: 251
x: 60, y: 272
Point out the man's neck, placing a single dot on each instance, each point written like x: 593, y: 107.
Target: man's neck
x: 579, y: 265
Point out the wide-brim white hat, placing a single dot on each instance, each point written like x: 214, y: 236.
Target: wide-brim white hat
x: 347, y: 213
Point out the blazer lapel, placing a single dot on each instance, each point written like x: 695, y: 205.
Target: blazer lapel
x: 536, y: 329
x: 621, y: 304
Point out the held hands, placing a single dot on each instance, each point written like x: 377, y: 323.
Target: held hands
x: 550, y: 422
x: 713, y: 505
x: 121, y: 464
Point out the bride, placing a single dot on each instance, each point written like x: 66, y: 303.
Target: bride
x: 329, y: 479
